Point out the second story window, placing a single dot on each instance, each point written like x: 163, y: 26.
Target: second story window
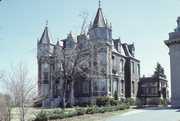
x: 45, y: 67
x: 122, y: 65
x: 138, y: 69
x: 45, y: 70
x: 132, y: 67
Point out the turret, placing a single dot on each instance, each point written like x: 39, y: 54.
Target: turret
x: 100, y: 29
x: 46, y: 44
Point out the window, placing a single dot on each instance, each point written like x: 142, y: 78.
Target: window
x: 115, y: 86
x: 85, y: 86
x: 121, y: 65
x: 122, y: 86
x: 95, y: 85
x: 133, y: 89
x: 102, y: 58
x: 57, y: 67
x: 143, y: 90
x: 85, y: 61
x: 138, y: 69
x: 109, y: 85
x: 45, y: 67
x: 45, y: 89
x: 45, y: 70
x: 103, y: 85
x: 132, y: 67
x: 147, y: 90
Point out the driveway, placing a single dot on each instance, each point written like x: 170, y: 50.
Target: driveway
x: 150, y: 114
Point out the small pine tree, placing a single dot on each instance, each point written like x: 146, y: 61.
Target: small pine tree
x: 116, y: 95
x: 159, y: 71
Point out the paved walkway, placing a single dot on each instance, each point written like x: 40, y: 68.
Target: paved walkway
x: 150, y: 114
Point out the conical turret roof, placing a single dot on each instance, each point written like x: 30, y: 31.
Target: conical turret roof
x: 99, y: 20
x: 46, y: 37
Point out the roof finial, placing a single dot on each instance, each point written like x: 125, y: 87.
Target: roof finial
x: 46, y: 23
x: 99, y: 3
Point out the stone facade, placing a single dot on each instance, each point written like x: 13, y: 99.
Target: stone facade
x: 117, y: 58
x: 174, y: 47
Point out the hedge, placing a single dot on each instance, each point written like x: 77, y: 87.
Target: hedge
x: 59, y: 114
x: 103, y: 104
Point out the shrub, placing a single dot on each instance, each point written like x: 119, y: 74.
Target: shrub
x: 164, y: 102
x: 60, y: 114
x: 84, y: 104
x: 102, y: 101
x: 42, y: 116
x: 116, y: 95
x: 114, y: 102
x: 130, y: 101
x: 71, y: 114
x: 93, y: 109
x: 80, y: 111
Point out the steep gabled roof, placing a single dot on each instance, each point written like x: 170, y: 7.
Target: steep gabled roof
x: 126, y: 49
x: 46, y: 37
x: 99, y: 20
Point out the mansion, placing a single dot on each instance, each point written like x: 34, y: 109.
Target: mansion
x: 98, y: 47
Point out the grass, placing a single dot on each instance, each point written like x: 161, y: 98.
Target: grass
x: 30, y: 114
x: 87, y: 117
x: 95, y: 117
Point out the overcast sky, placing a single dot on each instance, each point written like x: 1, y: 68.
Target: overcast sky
x: 144, y: 22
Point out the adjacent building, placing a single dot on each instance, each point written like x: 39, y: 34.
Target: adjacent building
x: 153, y: 89
x: 122, y: 69
x: 174, y: 51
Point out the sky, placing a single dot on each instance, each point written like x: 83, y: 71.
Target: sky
x: 146, y: 23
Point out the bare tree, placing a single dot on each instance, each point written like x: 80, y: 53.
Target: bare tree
x: 20, y: 88
x: 71, y: 60
x: 71, y: 71
x: 5, y: 103
x: 84, y: 16
x: 5, y: 107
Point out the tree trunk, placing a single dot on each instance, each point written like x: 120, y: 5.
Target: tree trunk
x: 71, y: 94
x: 64, y: 94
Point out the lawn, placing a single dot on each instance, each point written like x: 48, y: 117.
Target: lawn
x: 95, y: 117
x: 88, y: 117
